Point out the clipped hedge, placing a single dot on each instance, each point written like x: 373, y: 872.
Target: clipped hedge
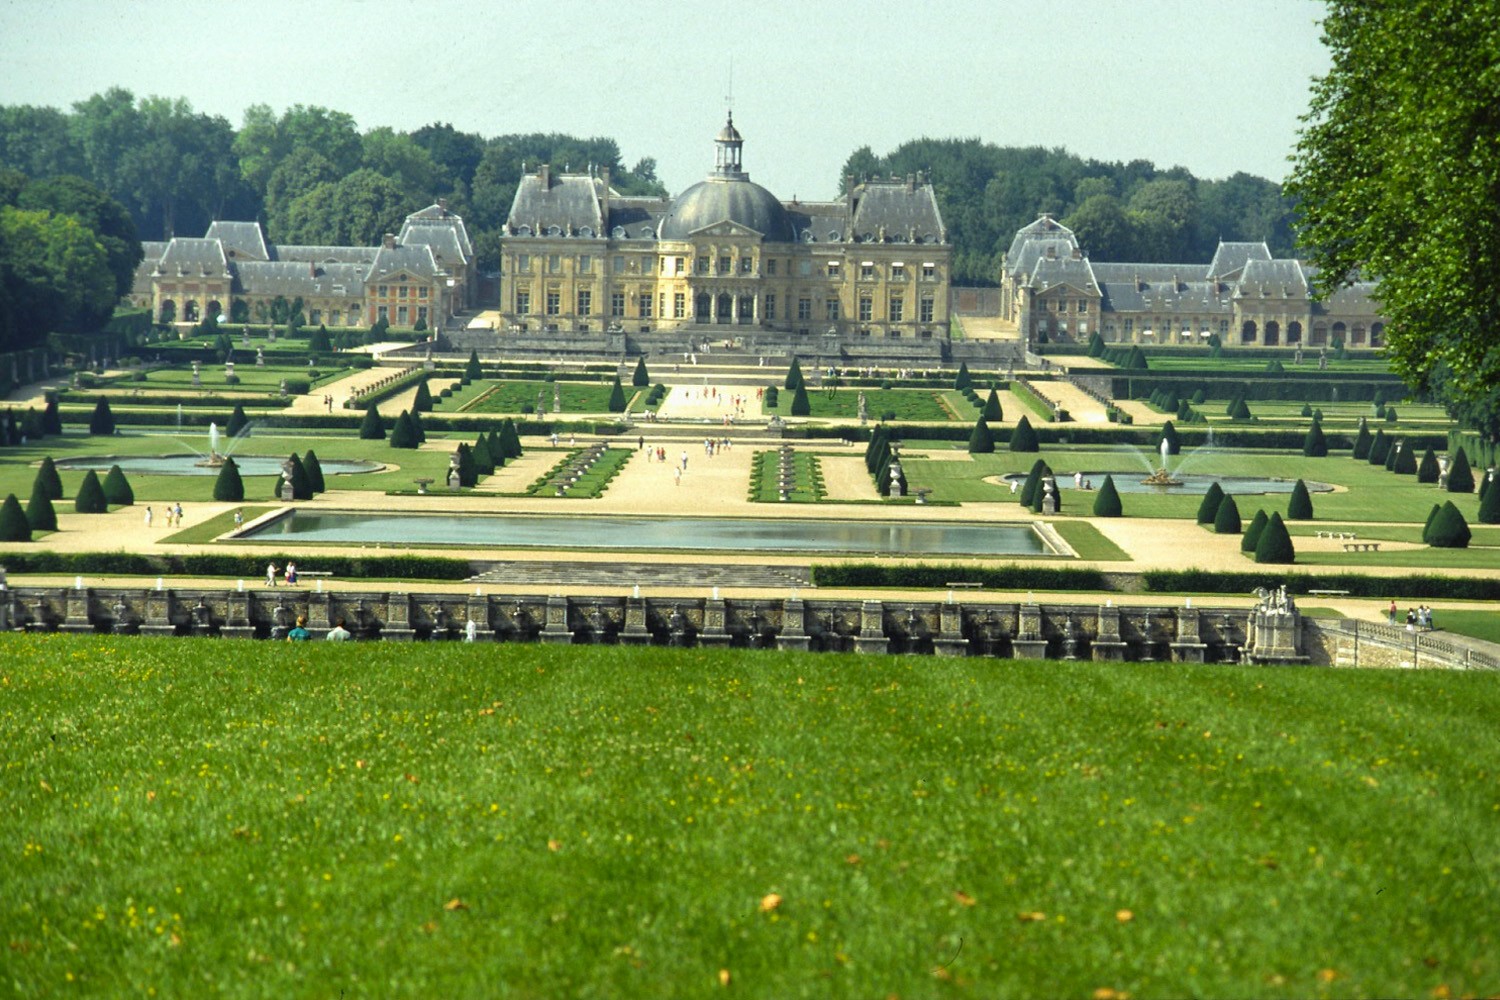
x: 1194, y: 581
x: 940, y: 575
x: 227, y: 565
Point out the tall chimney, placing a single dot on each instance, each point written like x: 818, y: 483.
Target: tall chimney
x: 545, y: 173
x: 388, y: 241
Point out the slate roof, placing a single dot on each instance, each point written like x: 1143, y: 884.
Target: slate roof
x: 1045, y: 227
x: 244, y: 238
x: 191, y: 255
x: 1162, y: 288
x: 1029, y: 253
x: 819, y: 221
x: 414, y: 258
x: 909, y: 212
x: 437, y: 217
x: 444, y: 241
x: 569, y: 204
x: 1283, y: 278
x: 1074, y: 272
x: 153, y: 250
x: 1231, y: 258
x: 325, y: 255
x: 636, y: 218
x: 299, y: 278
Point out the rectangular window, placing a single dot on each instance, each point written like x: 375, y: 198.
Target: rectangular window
x: 703, y: 264
x: 867, y: 271
x: 554, y: 302
x: 804, y: 309
x: 422, y: 292
x: 585, y: 265
x: 523, y: 303
x: 585, y: 302
x: 831, y: 310
x: 835, y: 270
x: 383, y: 312
x: 679, y: 265
x: 925, y: 309
x: 554, y: 263
x: 747, y: 265
x: 1129, y: 327
x: 771, y: 267
x: 315, y: 316
x: 401, y: 291
x: 644, y: 304
x: 929, y: 272
x: 617, y: 303
x: 725, y: 264
x: 866, y: 308
x: 898, y: 272
x: 523, y: 263
x: 770, y: 307
x: 679, y: 305
x: 897, y: 308
x: 1083, y: 305
x: 421, y: 314
x: 385, y: 291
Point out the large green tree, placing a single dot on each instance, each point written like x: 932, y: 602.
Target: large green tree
x: 106, y: 218
x: 1396, y: 175
x: 353, y: 211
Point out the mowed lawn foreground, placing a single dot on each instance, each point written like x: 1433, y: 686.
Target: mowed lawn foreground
x: 253, y: 819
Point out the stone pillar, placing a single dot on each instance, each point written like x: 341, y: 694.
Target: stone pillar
x: 556, y: 630
x: 950, y: 639
x: 78, y: 604
x: 1029, y: 642
x: 713, y: 633
x: 793, y: 634
x: 1189, y: 646
x: 398, y: 618
x: 871, y: 638
x: 1108, y: 645
x: 635, y: 633
x: 477, y: 610
x: 319, y: 613
x: 158, y: 617
x: 237, y: 622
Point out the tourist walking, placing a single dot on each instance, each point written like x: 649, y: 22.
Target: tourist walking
x: 291, y: 573
x: 178, y: 512
x: 271, y: 574
x: 1391, y: 614
x: 148, y: 517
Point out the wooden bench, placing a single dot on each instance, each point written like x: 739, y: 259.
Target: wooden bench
x: 1331, y: 593
x: 1361, y: 546
x: 1345, y: 536
x: 970, y: 584
x: 313, y: 572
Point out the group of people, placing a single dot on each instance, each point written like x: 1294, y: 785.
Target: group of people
x: 174, y: 515
x: 299, y: 632
x: 1416, y: 618
x: 289, y: 574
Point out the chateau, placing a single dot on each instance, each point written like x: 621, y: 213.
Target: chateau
x: 577, y: 256
x: 1054, y: 293
x: 423, y: 275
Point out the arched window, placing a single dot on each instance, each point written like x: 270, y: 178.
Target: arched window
x: 1377, y: 334
x: 725, y: 310
x: 1247, y: 332
x: 1273, y: 333
x: 1319, y: 335
x: 1357, y: 335
x: 1294, y: 332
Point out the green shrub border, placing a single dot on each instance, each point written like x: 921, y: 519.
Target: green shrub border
x: 233, y: 565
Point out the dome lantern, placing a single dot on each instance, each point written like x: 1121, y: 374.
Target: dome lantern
x: 727, y: 162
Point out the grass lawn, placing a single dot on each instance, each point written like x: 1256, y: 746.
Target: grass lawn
x: 906, y: 404
x: 253, y: 819
x: 1479, y: 624
x: 510, y: 397
x: 1255, y: 366
x: 591, y: 483
x: 253, y: 379
x: 765, y: 480
x: 1089, y: 542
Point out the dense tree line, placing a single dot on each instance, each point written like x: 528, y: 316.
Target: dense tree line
x: 308, y: 173
x: 1120, y: 211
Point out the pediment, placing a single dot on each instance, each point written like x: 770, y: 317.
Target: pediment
x: 727, y: 229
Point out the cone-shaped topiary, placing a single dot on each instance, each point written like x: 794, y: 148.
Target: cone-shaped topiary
x: 1024, y: 438
x: 90, y: 498
x: 1431, y: 516
x: 616, y: 397
x: 1241, y: 410
x: 1306, y: 409
x: 1390, y: 455
x: 416, y: 427
x: 484, y: 462
x: 47, y: 476
x: 1275, y: 545
x: 301, y: 485
x: 1489, y: 504
x: 1300, y: 506
x: 13, y: 524
x: 1209, y: 507
x: 883, y: 477
x: 102, y: 423
x: 1096, y: 345
x: 314, y: 472
x: 1427, y: 469
x: 878, y: 438
x: 1169, y: 435
x: 1227, y: 517
x: 1362, y: 442
x: 1406, y: 461
x: 1315, y: 445
x: 992, y: 407
x: 1380, y: 447
x: 318, y: 343
x: 372, y: 428
x: 801, y: 406
x: 794, y: 376
x: 229, y: 487
x: 1390, y: 415
x: 1252, y: 531
x: 1449, y: 529
x: 1032, y: 485
x: 39, y: 512
x: 237, y: 421
x: 468, y: 472
x: 51, y: 418
x: 422, y: 401
x: 1137, y: 360
x: 472, y: 371
x: 496, y: 442
x: 403, y: 435
x: 1107, y: 503
x: 981, y: 442
x: 1460, y: 475
x: 511, y: 438
x: 962, y: 380
x: 642, y: 378
x: 117, y: 489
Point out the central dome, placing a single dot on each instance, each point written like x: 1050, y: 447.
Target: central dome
x: 738, y: 200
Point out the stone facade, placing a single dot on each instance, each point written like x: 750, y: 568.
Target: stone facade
x: 1054, y: 293
x: 426, y: 273
x: 726, y: 257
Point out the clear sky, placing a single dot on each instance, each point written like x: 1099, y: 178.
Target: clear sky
x: 1216, y: 86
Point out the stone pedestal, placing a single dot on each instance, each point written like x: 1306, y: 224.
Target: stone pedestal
x: 158, y: 619
x: 1189, y: 646
x: 713, y: 633
x: 1029, y: 642
x: 77, y: 613
x: 477, y: 610
x: 871, y: 637
x: 635, y: 633
x: 950, y: 639
x: 398, y: 619
x: 1275, y: 636
x: 556, y: 630
x: 793, y: 635
x: 237, y: 623
x: 1108, y: 646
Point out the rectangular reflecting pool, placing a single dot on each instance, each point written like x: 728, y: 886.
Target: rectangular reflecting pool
x: 503, y: 531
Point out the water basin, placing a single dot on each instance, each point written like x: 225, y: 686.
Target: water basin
x: 503, y: 531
